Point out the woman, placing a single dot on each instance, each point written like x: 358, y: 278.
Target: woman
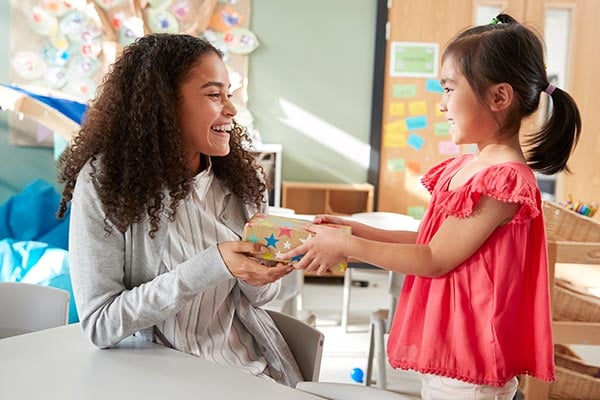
x: 161, y: 187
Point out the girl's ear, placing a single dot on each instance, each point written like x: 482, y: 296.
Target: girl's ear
x: 501, y: 96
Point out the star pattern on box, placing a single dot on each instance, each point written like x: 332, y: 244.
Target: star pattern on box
x: 279, y: 235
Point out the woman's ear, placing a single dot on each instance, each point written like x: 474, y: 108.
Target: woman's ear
x: 501, y: 96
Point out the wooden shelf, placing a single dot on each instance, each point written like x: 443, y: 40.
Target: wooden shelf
x: 327, y: 198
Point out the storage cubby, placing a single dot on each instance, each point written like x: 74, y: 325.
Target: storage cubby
x: 327, y: 198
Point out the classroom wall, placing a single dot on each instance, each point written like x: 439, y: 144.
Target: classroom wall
x: 309, y: 87
x: 310, y: 82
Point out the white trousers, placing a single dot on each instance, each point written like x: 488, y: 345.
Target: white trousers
x: 441, y: 388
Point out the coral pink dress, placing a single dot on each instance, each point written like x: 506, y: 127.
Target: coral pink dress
x: 488, y: 319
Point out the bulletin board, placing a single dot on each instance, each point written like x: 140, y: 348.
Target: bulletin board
x: 64, y: 47
x: 414, y: 133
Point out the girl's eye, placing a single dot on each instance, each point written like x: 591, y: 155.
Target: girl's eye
x: 447, y: 90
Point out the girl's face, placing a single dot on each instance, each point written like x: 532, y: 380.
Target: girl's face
x: 206, y: 111
x: 470, y: 120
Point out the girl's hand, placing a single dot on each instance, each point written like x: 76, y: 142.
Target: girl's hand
x: 326, y: 248
x: 241, y: 264
x: 330, y: 219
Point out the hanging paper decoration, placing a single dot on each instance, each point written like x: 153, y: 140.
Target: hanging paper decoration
x: 82, y: 88
x: 56, y: 7
x: 132, y: 29
x: 42, y: 22
x: 108, y: 4
x: 29, y: 65
x: 224, y: 18
x: 217, y: 40
x: 55, y: 77
x: 161, y: 21
x: 240, y: 40
x: 54, y: 56
x: 181, y: 9
x: 159, y: 4
x: 66, y: 45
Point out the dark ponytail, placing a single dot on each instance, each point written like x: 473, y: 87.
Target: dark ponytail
x: 552, y: 145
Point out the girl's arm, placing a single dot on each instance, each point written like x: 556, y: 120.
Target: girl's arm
x: 367, y: 231
x: 455, y: 241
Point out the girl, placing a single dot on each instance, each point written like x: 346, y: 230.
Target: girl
x: 474, y: 309
x: 161, y: 187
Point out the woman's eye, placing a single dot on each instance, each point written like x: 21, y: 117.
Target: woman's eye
x: 214, y: 95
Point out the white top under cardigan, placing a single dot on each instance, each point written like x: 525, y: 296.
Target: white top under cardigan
x: 119, y: 288
x: 207, y: 326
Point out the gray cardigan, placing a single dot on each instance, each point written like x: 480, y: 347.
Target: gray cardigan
x: 119, y: 291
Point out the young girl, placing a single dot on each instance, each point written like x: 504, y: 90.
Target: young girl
x: 474, y: 309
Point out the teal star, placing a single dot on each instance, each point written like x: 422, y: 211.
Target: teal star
x: 252, y: 238
x: 271, y: 241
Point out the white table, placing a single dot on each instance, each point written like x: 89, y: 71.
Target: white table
x: 60, y: 363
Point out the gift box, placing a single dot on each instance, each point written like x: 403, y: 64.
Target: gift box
x: 282, y: 234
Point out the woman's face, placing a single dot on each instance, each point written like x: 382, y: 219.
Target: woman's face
x: 206, y: 111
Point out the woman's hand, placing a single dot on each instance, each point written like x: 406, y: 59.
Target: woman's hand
x: 240, y: 262
x: 327, y: 247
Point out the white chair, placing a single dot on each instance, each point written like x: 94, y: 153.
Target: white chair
x: 25, y: 307
x: 380, y: 323
x: 345, y: 391
x: 305, y: 342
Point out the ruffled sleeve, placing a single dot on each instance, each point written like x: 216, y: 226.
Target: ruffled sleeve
x: 513, y: 183
x: 432, y: 176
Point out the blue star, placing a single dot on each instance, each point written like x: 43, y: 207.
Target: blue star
x: 271, y: 241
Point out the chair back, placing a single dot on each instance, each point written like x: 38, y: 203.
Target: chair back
x: 395, y: 282
x: 26, y: 307
x: 305, y: 342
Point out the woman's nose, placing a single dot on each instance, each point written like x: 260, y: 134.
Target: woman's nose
x: 229, y: 110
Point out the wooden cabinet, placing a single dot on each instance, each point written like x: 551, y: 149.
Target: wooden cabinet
x: 327, y: 198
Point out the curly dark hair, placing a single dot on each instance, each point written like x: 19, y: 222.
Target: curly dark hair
x: 132, y: 137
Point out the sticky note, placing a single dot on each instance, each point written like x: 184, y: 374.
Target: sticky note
x: 394, y: 139
x: 441, y: 128
x: 397, y: 109
x: 447, y: 147
x: 396, y: 164
x: 395, y: 127
x: 433, y: 85
x: 404, y: 91
x: 414, y: 166
x: 416, y: 212
x: 413, y: 123
x: 416, y: 141
x: 417, y: 108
